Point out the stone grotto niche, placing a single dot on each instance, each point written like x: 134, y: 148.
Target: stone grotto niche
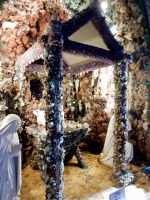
x: 36, y: 88
x: 93, y: 97
x: 34, y: 108
x: 106, y: 58
x: 115, y: 55
x: 132, y: 23
x: 135, y: 41
x: 54, y: 116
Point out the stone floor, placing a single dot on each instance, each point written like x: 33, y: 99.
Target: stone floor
x: 84, y: 184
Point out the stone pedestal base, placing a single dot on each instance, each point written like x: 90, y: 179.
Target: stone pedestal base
x: 123, y: 178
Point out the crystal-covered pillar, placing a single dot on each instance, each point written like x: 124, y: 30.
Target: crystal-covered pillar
x: 119, y: 175
x: 148, y: 119
x: 54, y: 152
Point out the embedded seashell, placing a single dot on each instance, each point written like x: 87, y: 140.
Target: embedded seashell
x: 1, y: 76
x: 145, y: 111
x: 12, y: 36
x: 50, y: 125
x: 144, y: 117
x: 20, y: 49
x: 123, y: 9
x: 140, y: 123
x: 85, y: 80
x: 24, y: 29
x: 135, y: 122
x: 12, y: 44
x: 12, y: 55
x: 25, y: 40
x: 145, y: 125
x: 140, y: 19
x: 33, y: 32
x: 133, y: 66
x: 72, y: 108
x: 70, y: 84
x: 21, y: 102
x: 3, y: 108
x: 128, y: 36
x: 17, y: 96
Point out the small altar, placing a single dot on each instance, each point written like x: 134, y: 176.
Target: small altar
x: 74, y: 134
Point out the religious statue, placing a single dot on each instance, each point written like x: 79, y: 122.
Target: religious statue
x: 106, y: 157
x: 10, y: 158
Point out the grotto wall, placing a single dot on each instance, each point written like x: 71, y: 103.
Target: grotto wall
x: 129, y: 20
x: 132, y: 31
x: 83, y: 91
x: 90, y: 98
x: 21, y: 24
x: 23, y: 21
x: 21, y: 29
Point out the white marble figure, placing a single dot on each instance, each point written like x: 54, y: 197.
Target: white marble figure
x: 106, y: 157
x: 10, y: 158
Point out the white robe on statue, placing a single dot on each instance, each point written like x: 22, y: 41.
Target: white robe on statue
x: 10, y: 158
x: 106, y: 157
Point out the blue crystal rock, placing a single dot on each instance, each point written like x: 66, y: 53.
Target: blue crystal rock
x: 146, y: 170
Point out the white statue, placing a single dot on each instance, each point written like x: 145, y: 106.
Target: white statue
x: 106, y: 157
x: 10, y: 158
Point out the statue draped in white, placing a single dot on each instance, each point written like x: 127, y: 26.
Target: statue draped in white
x: 10, y: 158
x: 106, y: 157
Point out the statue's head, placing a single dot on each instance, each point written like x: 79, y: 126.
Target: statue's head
x: 10, y: 124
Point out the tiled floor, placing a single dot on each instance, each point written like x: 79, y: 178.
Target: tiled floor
x: 84, y: 184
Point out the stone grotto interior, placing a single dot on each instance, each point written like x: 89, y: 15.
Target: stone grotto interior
x: 74, y: 99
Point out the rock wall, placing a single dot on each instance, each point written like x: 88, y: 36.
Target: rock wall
x: 79, y: 91
x: 132, y: 31
x: 23, y: 21
x: 89, y: 97
x: 21, y: 24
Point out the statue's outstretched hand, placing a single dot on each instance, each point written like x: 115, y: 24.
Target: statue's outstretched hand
x: 16, y: 150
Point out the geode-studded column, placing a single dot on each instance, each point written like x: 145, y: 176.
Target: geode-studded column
x: 120, y: 78
x: 146, y: 4
x: 148, y: 119
x: 54, y: 152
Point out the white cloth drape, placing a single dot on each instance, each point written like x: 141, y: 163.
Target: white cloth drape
x: 106, y: 157
x: 10, y: 158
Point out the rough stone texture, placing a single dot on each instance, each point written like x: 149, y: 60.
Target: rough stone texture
x: 82, y: 183
x: 32, y: 18
x: 132, y: 32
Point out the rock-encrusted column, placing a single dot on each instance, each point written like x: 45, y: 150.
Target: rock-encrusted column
x: 148, y: 119
x: 54, y: 152
x: 147, y: 13
x: 120, y: 79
